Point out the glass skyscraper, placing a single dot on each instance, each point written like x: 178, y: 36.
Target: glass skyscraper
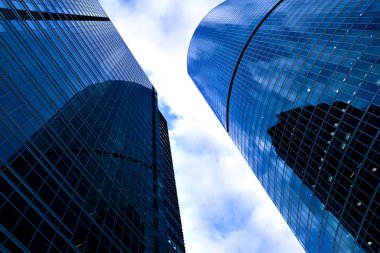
x: 85, y: 160
x: 296, y: 85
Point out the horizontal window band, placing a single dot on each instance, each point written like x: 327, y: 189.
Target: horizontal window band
x: 9, y: 14
x: 25, y: 155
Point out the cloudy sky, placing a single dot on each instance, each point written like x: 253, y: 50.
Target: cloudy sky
x: 224, y: 209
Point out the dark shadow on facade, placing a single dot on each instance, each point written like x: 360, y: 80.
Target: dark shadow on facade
x: 334, y: 150
x: 93, y: 177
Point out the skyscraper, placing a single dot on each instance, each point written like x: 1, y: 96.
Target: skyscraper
x: 85, y: 161
x: 296, y: 85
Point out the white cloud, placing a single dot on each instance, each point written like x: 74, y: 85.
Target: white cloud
x: 223, y: 206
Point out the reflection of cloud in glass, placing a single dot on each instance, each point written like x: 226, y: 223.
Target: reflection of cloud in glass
x: 300, y: 56
x: 227, y: 37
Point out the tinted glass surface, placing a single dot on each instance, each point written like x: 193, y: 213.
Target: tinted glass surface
x: 305, y: 54
x: 173, y: 220
x: 217, y: 46
x: 81, y: 165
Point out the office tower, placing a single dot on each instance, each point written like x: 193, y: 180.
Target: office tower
x: 85, y: 162
x: 296, y: 85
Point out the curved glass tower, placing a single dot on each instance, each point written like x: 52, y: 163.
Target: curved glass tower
x: 85, y: 161
x: 296, y: 85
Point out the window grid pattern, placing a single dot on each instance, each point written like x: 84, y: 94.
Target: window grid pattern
x: 79, y: 134
x: 87, y: 172
x: 228, y: 18
x: 304, y: 58
x: 173, y: 224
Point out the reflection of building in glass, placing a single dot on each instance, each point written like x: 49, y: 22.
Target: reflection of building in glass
x: 85, y: 162
x: 253, y: 60
x: 334, y: 150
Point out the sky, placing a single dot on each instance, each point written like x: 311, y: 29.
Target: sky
x: 224, y: 208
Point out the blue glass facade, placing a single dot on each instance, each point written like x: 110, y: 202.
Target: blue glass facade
x: 266, y: 67
x: 173, y: 219
x: 84, y: 151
